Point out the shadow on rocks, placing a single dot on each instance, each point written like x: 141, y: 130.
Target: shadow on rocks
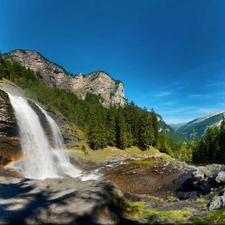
x: 29, y: 202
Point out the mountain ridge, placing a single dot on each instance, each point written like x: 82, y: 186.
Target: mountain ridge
x: 54, y: 75
x: 197, y: 128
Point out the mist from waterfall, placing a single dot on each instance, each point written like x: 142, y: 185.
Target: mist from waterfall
x: 42, y: 160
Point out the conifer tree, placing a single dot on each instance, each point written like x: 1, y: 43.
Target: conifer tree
x: 97, y: 128
x: 155, y: 127
x: 111, y: 126
x: 121, y: 133
x: 145, y: 131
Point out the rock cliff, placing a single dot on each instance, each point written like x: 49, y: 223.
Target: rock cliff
x: 9, y: 131
x: 111, y: 91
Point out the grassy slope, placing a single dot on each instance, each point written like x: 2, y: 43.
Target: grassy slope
x: 103, y: 156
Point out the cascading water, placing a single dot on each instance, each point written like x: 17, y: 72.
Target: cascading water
x: 61, y: 158
x: 41, y: 161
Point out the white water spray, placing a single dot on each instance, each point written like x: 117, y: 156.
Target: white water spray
x: 39, y: 161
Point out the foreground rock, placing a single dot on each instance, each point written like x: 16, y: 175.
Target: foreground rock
x: 59, y: 201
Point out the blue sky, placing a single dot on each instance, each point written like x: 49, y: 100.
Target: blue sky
x: 170, y: 54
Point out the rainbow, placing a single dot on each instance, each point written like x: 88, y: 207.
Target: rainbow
x: 15, y: 163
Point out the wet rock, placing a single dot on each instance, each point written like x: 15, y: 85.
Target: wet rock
x: 9, y: 131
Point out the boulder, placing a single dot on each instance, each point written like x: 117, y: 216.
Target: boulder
x: 211, y: 169
x: 217, y: 203
x: 204, y: 180
x: 198, y: 175
x: 220, y: 178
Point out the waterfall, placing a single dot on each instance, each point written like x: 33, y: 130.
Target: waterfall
x: 61, y: 157
x: 41, y: 161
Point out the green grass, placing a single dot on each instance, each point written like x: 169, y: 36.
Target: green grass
x: 178, y: 216
x: 200, y: 200
x: 104, y: 155
x: 166, y: 157
x: 212, y: 218
x: 133, y: 209
x: 146, y: 162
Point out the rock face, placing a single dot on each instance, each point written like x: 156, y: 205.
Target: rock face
x: 9, y: 131
x: 111, y: 91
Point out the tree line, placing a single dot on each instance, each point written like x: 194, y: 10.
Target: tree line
x: 122, y: 127
x: 211, y: 148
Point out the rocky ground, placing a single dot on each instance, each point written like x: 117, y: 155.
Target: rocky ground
x: 115, y: 198
x: 57, y: 201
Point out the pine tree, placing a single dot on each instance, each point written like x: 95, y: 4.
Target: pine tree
x: 221, y: 155
x: 111, y: 126
x: 121, y: 133
x: 97, y: 128
x: 145, y: 131
x: 155, y: 127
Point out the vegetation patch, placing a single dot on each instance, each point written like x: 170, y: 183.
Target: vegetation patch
x: 104, y: 155
x: 200, y: 200
x: 213, y: 217
x: 134, y: 209
x: 175, y: 216
x: 146, y: 162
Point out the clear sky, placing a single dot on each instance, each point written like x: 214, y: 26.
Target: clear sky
x: 169, y: 54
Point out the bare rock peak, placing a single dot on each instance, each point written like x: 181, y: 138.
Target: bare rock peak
x: 53, y: 75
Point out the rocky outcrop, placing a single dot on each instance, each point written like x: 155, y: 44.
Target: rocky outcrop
x: 205, y: 180
x: 9, y: 131
x: 99, y: 82
x: 60, y: 201
x: 111, y: 91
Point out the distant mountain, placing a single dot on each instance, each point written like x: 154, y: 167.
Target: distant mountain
x: 53, y: 75
x: 177, y: 125
x: 169, y: 131
x: 197, y: 128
